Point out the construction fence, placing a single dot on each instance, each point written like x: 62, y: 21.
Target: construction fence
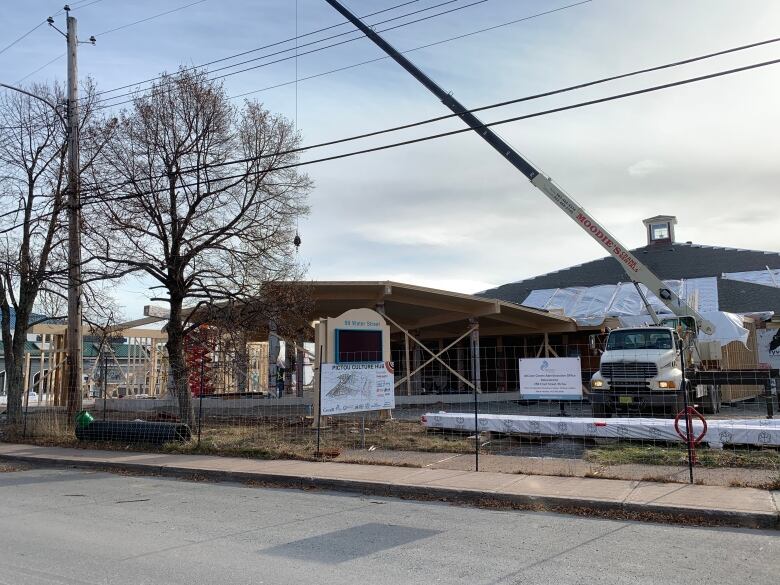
x: 449, y: 409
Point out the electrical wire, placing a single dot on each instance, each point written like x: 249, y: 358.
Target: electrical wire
x: 74, y: 7
x: 21, y: 38
x: 86, y: 201
x: 42, y: 67
x: 129, y: 24
x: 427, y: 138
x: 522, y: 99
x: 426, y: 46
x: 316, y: 50
x: 43, y: 22
x: 121, y: 87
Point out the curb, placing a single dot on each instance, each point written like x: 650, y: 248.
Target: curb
x: 612, y: 509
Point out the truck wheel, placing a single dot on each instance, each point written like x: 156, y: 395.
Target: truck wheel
x: 679, y: 405
x: 711, y: 402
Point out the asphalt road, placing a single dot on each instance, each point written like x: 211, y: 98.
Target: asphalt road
x: 75, y: 527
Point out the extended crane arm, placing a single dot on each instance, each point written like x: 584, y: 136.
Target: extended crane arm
x: 637, y: 272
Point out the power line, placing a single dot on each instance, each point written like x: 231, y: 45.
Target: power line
x: 290, y: 49
x: 464, y: 130
x: 40, y: 24
x: 426, y: 46
x: 24, y: 36
x: 257, y: 48
x: 75, y: 7
x: 129, y: 24
x: 44, y: 66
x: 442, y: 134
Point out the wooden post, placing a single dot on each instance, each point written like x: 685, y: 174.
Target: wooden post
x: 153, y: 367
x: 40, y: 371
x: 300, y: 357
x: 26, y: 378
x: 476, y: 374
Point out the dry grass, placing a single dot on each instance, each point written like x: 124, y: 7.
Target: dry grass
x: 630, y: 453
x: 292, y: 438
x: 299, y: 441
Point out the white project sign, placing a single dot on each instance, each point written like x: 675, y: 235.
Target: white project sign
x: 356, y: 387
x: 551, y: 378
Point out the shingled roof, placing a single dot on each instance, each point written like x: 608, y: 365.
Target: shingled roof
x: 670, y: 261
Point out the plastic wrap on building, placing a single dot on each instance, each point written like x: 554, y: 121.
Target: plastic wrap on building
x: 590, y: 305
x: 768, y: 277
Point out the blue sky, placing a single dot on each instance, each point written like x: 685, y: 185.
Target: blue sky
x: 450, y: 213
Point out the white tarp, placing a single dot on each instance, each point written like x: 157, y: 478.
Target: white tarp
x: 591, y: 305
x: 356, y: 387
x: 728, y: 326
x: 768, y: 277
x: 760, y: 431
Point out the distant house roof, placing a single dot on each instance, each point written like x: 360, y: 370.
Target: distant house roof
x: 119, y: 350
x: 29, y: 347
x: 673, y: 261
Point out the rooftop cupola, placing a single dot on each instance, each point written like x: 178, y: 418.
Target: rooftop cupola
x: 660, y: 229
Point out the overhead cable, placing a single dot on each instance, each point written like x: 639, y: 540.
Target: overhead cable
x: 311, y: 51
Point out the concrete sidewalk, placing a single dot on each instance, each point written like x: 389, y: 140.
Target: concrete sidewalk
x: 745, y: 507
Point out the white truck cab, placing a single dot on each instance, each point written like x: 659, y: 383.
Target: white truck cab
x: 641, y: 371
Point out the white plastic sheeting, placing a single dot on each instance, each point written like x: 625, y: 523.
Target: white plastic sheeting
x: 591, y: 305
x: 760, y: 432
x: 728, y: 326
x: 768, y: 277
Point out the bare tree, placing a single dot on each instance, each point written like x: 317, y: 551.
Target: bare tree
x: 210, y: 231
x: 33, y: 150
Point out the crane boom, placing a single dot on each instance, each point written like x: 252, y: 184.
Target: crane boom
x: 637, y: 272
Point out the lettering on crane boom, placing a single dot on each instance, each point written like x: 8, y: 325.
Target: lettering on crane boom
x: 600, y: 235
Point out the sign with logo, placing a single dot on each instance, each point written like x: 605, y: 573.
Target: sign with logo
x: 356, y: 387
x: 551, y: 379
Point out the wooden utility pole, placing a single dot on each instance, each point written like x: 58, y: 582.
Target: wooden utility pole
x: 74, y: 337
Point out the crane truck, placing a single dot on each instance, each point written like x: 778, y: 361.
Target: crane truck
x: 647, y: 368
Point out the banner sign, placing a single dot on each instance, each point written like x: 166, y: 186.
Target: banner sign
x: 551, y: 379
x: 769, y: 347
x: 356, y: 387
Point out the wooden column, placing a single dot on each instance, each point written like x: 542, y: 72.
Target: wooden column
x: 408, y: 362
x: 476, y: 374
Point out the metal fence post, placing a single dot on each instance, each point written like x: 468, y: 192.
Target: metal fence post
x: 200, y: 397
x: 688, y: 421
x: 319, y: 402
x: 477, y: 381
x: 104, y: 357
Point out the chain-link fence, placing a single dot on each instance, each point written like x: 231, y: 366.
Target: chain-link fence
x: 627, y: 425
